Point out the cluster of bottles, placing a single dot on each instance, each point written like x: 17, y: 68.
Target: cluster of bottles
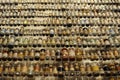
x: 59, y: 40
x: 65, y: 54
x: 64, y: 68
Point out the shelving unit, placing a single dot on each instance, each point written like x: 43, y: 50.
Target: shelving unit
x: 59, y: 40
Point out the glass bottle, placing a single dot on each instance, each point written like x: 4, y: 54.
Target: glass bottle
x: 66, y: 66
x: 43, y: 42
x: 58, y: 54
x: 60, y: 69
x: 52, y: 32
x: 35, y: 42
x: 37, y: 54
x: 55, y: 71
x: 6, y: 70
x: 24, y: 68
x: 48, y: 41
x: 88, y: 68
x: 116, y: 53
x: 16, y: 31
x: 58, y: 42
x: 59, y: 32
x: 65, y: 53
x: 67, y: 32
x: 53, y: 42
x: 78, y: 53
x: 25, y: 41
x: 30, y: 69
x: 69, y: 22
x: 5, y: 40
x: 7, y: 31
x: 32, y: 54
x: 42, y: 54
x: 51, y: 69
x: 47, y: 54
x: 1, y: 54
x: 1, y: 40
x: 20, y: 55
x: 71, y: 53
x: 10, y: 55
x: 1, y: 68
x: 46, y: 69
x: 15, y: 55
x: 79, y: 41
x: 26, y: 52
x: 5, y: 55
x: 76, y: 67
x: 37, y: 68
x: 72, y: 69
x: 52, y: 54
x: 18, y: 68
x: 40, y: 41
x: 67, y: 43
x: 95, y: 67
x: 12, y: 70
x: 62, y: 41
x: 82, y: 68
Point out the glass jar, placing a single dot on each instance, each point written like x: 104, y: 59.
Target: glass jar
x: 15, y: 55
x: 37, y: 68
x: 18, y: 68
x: 30, y: 69
x: 1, y: 68
x: 20, y: 55
x: 65, y: 53
x: 71, y: 53
x: 10, y: 55
x: 58, y: 54
x: 24, y: 68
x: 55, y: 71
x: 88, y: 68
x: 43, y: 42
x: 58, y: 43
x: 1, y: 40
x: 82, y: 68
x: 53, y: 42
x: 47, y: 54
x: 25, y: 41
x: 42, y: 54
x: 31, y: 54
x: 78, y: 53
x: 12, y: 70
x: 40, y: 41
x: 35, y: 41
x: 5, y: 55
x: 11, y: 40
x: 95, y: 67
x: 5, y: 40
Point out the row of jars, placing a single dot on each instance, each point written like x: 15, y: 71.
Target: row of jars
x: 65, y: 78
x: 62, y: 78
x: 12, y: 40
x: 59, y: 54
x: 59, y: 6
x: 67, y: 20
x: 30, y: 68
x: 57, y: 1
x: 64, y: 13
x: 61, y: 31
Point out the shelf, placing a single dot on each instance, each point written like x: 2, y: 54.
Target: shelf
x: 16, y: 3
